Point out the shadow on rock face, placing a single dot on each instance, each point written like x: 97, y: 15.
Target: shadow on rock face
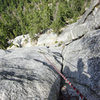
x: 82, y: 67
x: 56, y: 85
x: 46, y: 64
x: 11, y: 75
x: 84, y: 83
x: 94, y: 71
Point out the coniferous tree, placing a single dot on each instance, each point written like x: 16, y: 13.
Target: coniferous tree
x: 19, y: 17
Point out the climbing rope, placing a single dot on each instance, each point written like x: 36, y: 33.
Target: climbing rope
x: 66, y: 80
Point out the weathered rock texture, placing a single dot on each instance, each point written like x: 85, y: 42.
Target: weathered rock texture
x: 81, y: 65
x: 89, y: 21
x: 21, y: 41
x: 25, y: 74
x: 81, y: 55
x: 49, y: 38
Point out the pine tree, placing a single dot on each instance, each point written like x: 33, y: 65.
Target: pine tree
x: 19, y: 17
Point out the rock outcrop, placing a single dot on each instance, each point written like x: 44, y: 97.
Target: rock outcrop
x: 25, y: 74
x: 49, y: 38
x: 89, y: 21
x: 81, y: 65
x: 21, y: 41
x: 81, y: 54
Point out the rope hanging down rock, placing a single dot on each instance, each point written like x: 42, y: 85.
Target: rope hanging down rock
x: 66, y: 80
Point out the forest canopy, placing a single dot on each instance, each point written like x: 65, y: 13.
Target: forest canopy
x: 19, y: 17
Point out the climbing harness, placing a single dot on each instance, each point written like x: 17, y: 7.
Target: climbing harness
x: 66, y: 80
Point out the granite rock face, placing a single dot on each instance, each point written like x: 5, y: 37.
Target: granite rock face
x: 49, y: 38
x: 81, y: 65
x: 21, y: 41
x: 81, y: 53
x: 25, y: 74
x: 88, y: 22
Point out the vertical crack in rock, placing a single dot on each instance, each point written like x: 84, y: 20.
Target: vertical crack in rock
x: 61, y: 79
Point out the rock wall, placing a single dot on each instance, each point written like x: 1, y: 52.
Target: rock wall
x: 25, y: 74
x: 81, y: 54
x: 81, y: 65
x: 88, y: 22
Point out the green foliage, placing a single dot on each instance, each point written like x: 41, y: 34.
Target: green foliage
x: 19, y: 17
